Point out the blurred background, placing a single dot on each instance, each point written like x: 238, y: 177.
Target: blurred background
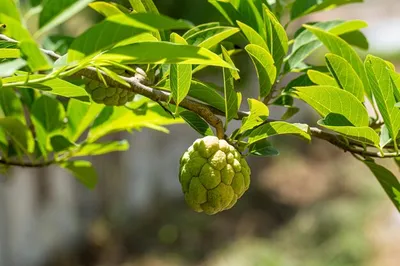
x: 313, y: 205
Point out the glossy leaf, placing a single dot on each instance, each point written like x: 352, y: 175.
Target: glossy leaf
x: 328, y: 99
x: 210, y: 37
x: 306, y: 42
x: 197, y: 123
x: 227, y: 57
x: 10, y: 67
x: 163, y: 53
x: 231, y: 99
x: 9, y: 53
x: 199, y: 28
x: 266, y: 70
x: 10, y: 104
x: 80, y: 116
x: 388, y: 181
x: 83, y: 171
x: 18, y: 133
x: 227, y: 10
x: 47, y: 117
x: 278, y: 40
x: 180, y: 76
x: 339, y: 47
x: 383, y: 90
x: 54, y: 86
x: 251, y: 16
x: 59, y: 143
x: 345, y: 75
x: 101, y: 148
x: 118, y: 119
x: 108, y: 9
x: 9, y: 8
x: 252, y: 36
x: 263, y: 148
x: 259, y: 113
x: 119, y: 28
x: 278, y: 128
x: 320, y: 78
x: 341, y: 125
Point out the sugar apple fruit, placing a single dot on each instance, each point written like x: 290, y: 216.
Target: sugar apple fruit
x: 213, y: 175
x: 108, y: 95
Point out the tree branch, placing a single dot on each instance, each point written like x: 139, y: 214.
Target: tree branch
x: 208, y: 113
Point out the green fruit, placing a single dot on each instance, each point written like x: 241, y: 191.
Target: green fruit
x: 213, y: 175
x: 108, y: 95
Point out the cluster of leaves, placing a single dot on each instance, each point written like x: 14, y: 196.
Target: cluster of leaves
x: 48, y: 117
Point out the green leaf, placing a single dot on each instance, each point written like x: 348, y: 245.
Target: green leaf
x: 10, y: 104
x: 340, y: 125
x: 251, y: 16
x: 119, y: 28
x: 18, y: 133
x: 148, y: 6
x: 60, y: 143
x: 210, y: 37
x: 56, y: 12
x: 144, y: 6
x: 118, y: 119
x: 339, y: 47
x: 259, y: 112
x: 263, y: 148
x: 207, y: 93
x: 93, y: 149
x: 180, y: 76
x: 54, y: 86
x: 48, y: 118
x: 388, y: 181
x: 180, y: 80
x: 10, y: 67
x: 163, y: 53
x: 252, y: 36
x: 356, y: 38
x: 227, y: 10
x: 383, y: 90
x: 266, y: 70
x: 279, y: 128
x: 306, y: 42
x: 108, y: 9
x: 199, y: 28
x: 278, y: 40
x: 345, y: 75
x: 80, y: 116
x: 231, y: 99
x: 304, y: 7
x: 83, y: 172
x: 35, y: 58
x: 9, y: 8
x: 320, y: 78
x: 9, y: 53
x: 328, y: 99
x: 197, y: 123
x: 227, y: 57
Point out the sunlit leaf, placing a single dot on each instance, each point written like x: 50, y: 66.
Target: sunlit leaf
x: 83, y: 171
x: 328, y: 99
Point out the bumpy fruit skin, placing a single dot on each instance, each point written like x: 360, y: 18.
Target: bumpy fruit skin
x: 107, y: 95
x: 213, y: 175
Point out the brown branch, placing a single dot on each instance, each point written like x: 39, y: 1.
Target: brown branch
x: 208, y: 113
x: 26, y: 164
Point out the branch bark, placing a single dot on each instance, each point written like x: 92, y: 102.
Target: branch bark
x: 208, y: 113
